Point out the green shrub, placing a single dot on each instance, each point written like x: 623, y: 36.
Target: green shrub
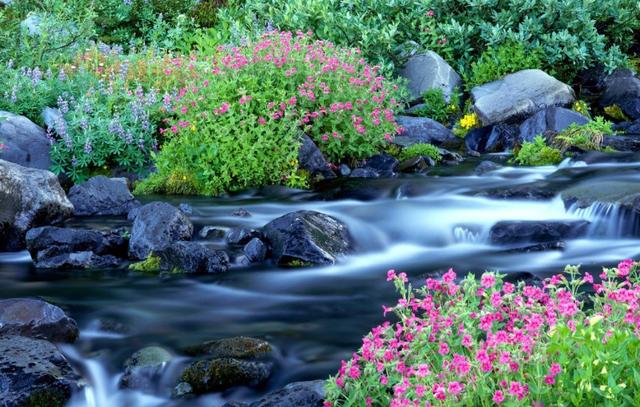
x: 58, y: 30
x: 496, y: 62
x: 419, y: 150
x: 436, y: 106
x: 239, y: 124
x: 538, y: 152
x: 588, y: 137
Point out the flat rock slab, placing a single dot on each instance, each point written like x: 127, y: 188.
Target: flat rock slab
x: 517, y: 232
x: 519, y: 95
x: 34, y: 373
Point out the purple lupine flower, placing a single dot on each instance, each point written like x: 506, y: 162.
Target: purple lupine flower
x: 62, y: 76
x: 10, y: 64
x: 124, y: 70
x: 49, y: 73
x: 74, y: 161
x: 88, y: 148
x: 14, y: 96
x: 36, y: 76
x: 61, y: 129
x: 49, y: 135
x: 166, y: 101
x: 84, y: 124
x: 63, y: 105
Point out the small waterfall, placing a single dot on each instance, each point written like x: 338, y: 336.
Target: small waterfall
x: 608, y: 219
x: 462, y: 234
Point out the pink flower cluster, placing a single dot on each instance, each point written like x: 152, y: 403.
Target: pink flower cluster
x: 477, y: 342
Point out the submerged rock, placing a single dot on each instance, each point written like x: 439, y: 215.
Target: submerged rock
x: 255, y: 250
x: 307, y: 238
x: 515, y: 232
x: 486, y: 166
x: 37, y: 319
x: 155, y: 226
x: 34, y: 373
x: 29, y: 198
x: 144, y: 369
x: 519, y: 95
x: 429, y: 71
x: 102, y: 196
x: 416, y: 164
x: 241, y: 236
x: 298, y: 394
x: 25, y: 142
x: 193, y: 258
x: 238, y: 347
x: 207, y: 376
x: 55, y: 247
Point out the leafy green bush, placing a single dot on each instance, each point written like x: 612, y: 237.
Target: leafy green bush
x: 42, y: 32
x: 239, y: 123
x: 494, y: 63
x: 538, y: 152
x: 571, y: 34
x: 587, y: 137
x: 436, y: 106
x: 486, y: 342
x: 421, y: 150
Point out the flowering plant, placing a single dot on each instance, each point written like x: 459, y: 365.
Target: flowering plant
x: 238, y: 121
x: 490, y: 342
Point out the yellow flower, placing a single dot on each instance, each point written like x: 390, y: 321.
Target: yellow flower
x: 469, y: 121
x: 193, y: 127
x: 604, y: 370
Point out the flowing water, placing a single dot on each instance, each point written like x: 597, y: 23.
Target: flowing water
x: 316, y: 316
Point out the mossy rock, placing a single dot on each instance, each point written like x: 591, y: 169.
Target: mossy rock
x: 626, y: 194
x: 239, y: 347
x: 207, y: 376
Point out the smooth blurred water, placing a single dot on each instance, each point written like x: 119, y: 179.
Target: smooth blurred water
x: 315, y: 317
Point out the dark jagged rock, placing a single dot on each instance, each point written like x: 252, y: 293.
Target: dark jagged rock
x: 534, y: 191
x: 155, y: 226
x: 55, y: 247
x: 622, y: 143
x: 516, y: 232
x: 207, y: 376
x: 241, y: 212
x: 211, y: 232
x: 450, y: 158
x: 186, y: 208
x: 364, y: 173
x: 29, y: 198
x: 36, y: 319
x: 383, y: 164
x: 519, y: 95
x: 102, y: 196
x: 622, y: 88
x: 299, y: 394
x: 144, y: 369
x: 239, y: 347
x: 241, y: 236
x: 552, y: 119
x: 34, y: 373
x: 306, y: 238
x: 540, y: 247
x: 255, y: 250
x: 192, y: 258
x: 312, y: 160
x: 416, y: 164
x: 26, y: 143
x: 493, y: 139
x: 421, y: 130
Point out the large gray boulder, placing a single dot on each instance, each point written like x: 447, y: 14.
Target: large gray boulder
x: 37, y: 319
x: 102, y: 196
x: 214, y: 375
x: 25, y: 142
x: 519, y: 95
x: 34, y: 373
x: 554, y: 119
x: 421, y: 130
x: 29, y: 197
x: 157, y: 225
x: 305, y: 238
x: 428, y: 71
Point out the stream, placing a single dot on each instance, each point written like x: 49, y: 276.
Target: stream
x: 315, y: 317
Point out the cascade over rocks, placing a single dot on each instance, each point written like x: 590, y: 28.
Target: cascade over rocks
x: 29, y: 197
x: 55, y: 247
x: 516, y: 232
x: 143, y: 369
x: 25, y: 142
x: 37, y: 319
x: 34, y: 373
x: 102, y: 196
x: 155, y: 226
x: 307, y: 238
x: 421, y: 130
x: 429, y: 71
x: 519, y: 95
x: 554, y: 119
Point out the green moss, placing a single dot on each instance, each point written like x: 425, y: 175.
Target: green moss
x: 538, y: 152
x: 615, y: 113
x: 150, y: 265
x: 296, y: 263
x: 47, y: 398
x: 588, y: 137
x: 421, y: 150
